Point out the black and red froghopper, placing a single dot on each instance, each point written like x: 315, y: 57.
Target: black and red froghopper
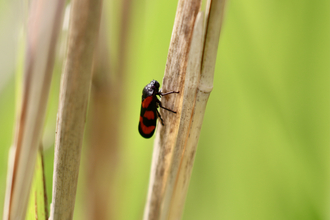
x: 149, y: 111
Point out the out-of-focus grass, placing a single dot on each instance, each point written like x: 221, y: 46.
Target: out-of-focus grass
x: 7, y: 114
x: 36, y: 206
x: 264, y: 149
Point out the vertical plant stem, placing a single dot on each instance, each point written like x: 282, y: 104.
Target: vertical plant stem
x: 192, y: 82
x: 75, y: 87
x: 45, y: 19
x: 214, y: 19
x: 175, y: 71
x: 176, y: 142
x: 103, y: 152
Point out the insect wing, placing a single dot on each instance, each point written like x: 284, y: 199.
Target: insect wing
x: 147, y: 123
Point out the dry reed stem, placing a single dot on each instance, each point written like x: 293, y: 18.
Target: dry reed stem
x: 175, y: 145
x: 177, y: 194
x: 174, y: 79
x: 75, y: 87
x: 45, y: 19
x: 103, y: 152
x: 214, y: 19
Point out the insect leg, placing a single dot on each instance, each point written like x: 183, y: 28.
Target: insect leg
x: 162, y: 94
x: 160, y: 105
x: 160, y: 117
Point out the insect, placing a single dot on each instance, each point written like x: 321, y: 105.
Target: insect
x: 149, y: 111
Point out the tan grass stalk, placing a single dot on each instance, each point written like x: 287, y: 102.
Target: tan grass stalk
x: 178, y: 193
x: 174, y: 79
x: 214, y: 19
x: 75, y: 87
x: 102, y: 139
x: 176, y: 144
x: 102, y: 151
x: 45, y: 19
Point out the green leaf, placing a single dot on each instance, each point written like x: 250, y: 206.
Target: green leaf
x: 37, y: 208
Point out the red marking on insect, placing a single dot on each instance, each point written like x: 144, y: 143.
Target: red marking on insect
x: 146, y: 102
x: 149, y: 115
x: 150, y: 103
x: 146, y: 130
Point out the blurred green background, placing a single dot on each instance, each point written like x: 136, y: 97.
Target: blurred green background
x: 264, y: 149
